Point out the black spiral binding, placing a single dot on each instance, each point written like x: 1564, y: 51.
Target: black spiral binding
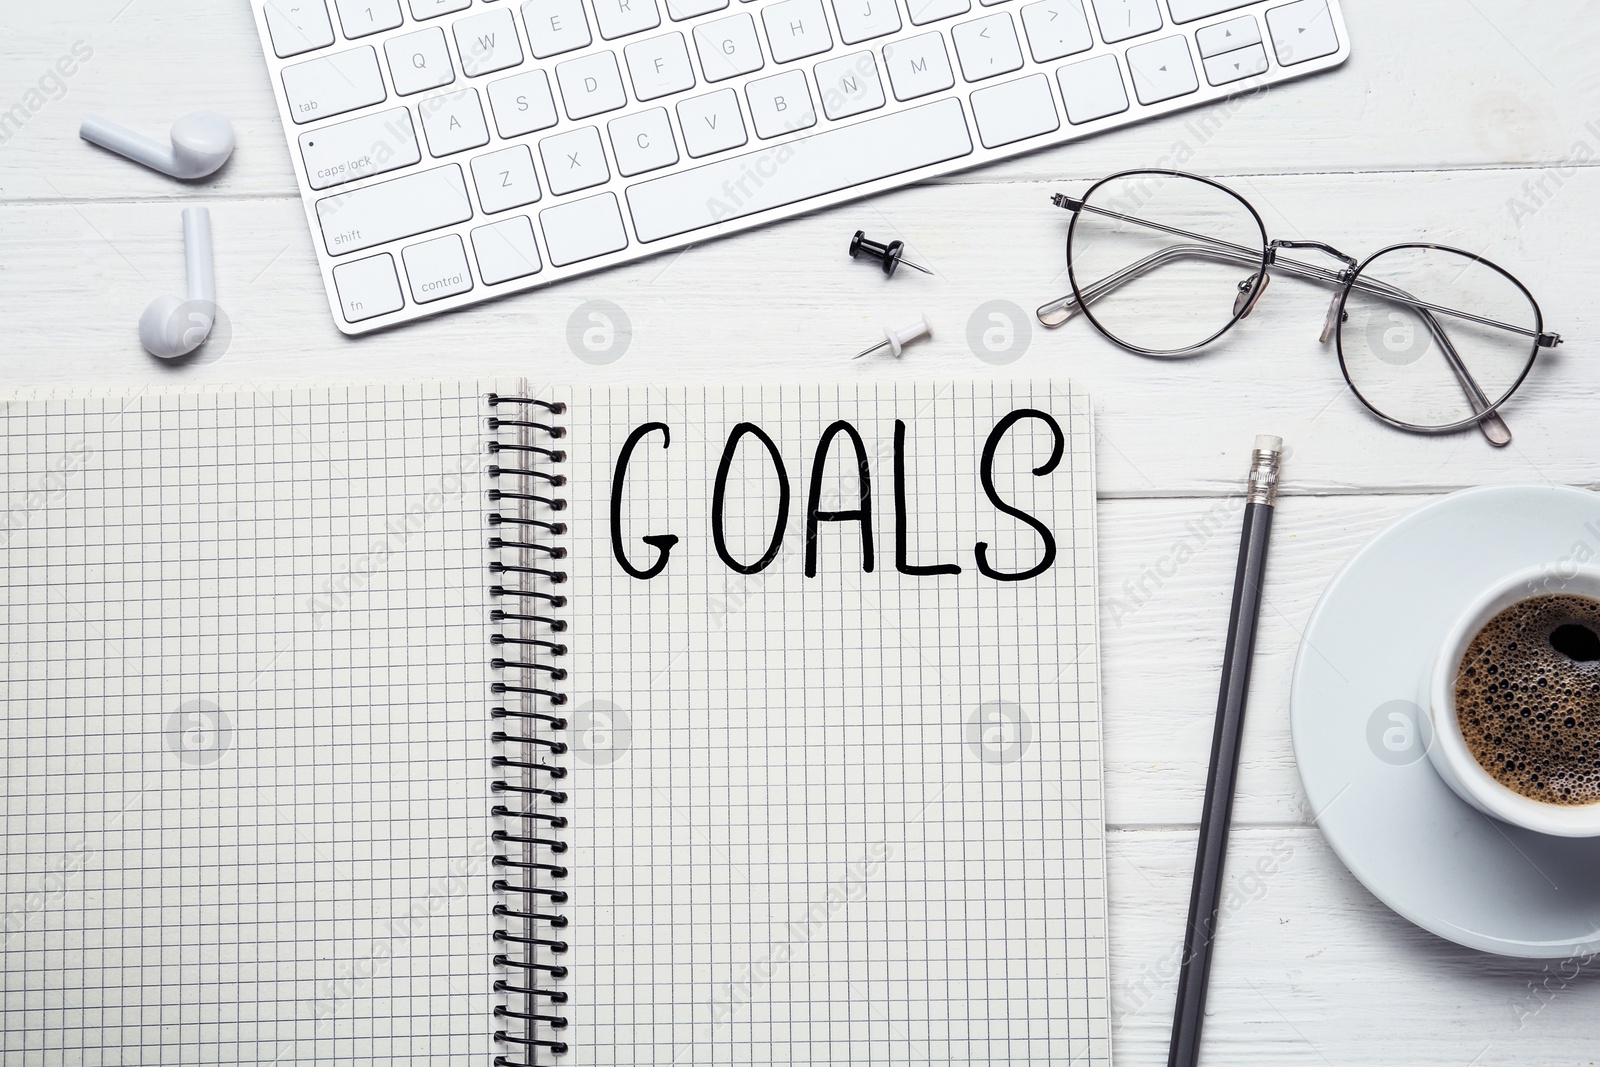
x: 524, y: 693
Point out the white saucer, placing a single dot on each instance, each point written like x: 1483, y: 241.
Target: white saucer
x: 1359, y: 733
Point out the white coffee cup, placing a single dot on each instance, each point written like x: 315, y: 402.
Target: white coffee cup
x: 1449, y: 752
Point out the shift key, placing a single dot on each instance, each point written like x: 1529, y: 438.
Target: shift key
x: 394, y: 209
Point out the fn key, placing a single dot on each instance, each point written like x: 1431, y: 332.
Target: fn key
x: 368, y: 288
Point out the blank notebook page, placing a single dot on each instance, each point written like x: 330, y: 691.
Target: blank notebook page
x: 246, y: 746
x: 848, y: 819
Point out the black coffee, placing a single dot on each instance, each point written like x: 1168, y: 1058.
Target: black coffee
x: 1528, y: 698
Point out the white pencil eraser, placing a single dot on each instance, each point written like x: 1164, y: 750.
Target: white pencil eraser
x: 1267, y: 443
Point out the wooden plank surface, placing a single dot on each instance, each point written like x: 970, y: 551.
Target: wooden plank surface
x: 1452, y: 122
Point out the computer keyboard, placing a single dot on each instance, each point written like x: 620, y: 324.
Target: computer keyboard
x: 451, y: 151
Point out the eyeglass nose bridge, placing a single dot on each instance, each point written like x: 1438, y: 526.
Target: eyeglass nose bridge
x: 1335, y: 316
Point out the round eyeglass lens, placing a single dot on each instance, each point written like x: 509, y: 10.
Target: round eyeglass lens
x: 1432, y: 337
x: 1162, y: 262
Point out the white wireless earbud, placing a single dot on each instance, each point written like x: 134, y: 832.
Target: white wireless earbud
x: 201, y: 143
x: 171, y: 327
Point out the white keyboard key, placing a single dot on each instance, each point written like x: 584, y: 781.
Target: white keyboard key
x: 711, y: 123
x: 796, y: 29
x: 591, y: 84
x: 574, y: 160
x: 849, y: 85
x: 780, y: 104
x: 583, y: 229
x: 361, y: 17
x: 388, y: 211
x: 555, y: 26
x: 1123, y: 19
x: 506, y: 250
x: 419, y: 61
x: 298, y: 26
x: 437, y: 269
x: 987, y: 47
x: 923, y: 12
x: 1189, y: 10
x: 368, y: 288
x: 840, y: 158
x: 659, y: 66
x: 522, y: 103
x: 1237, y: 65
x: 1162, y: 70
x: 505, y: 179
x: 487, y: 42
x: 642, y: 142
x: 1226, y: 36
x: 862, y: 20
x: 688, y: 9
x: 1056, y: 28
x: 453, y: 122
x: 1092, y: 89
x: 1014, y: 111
x: 618, y: 18
x: 918, y: 66
x: 728, y: 47
x: 359, y: 148
x: 428, y: 9
x: 1302, y: 31
x: 331, y: 85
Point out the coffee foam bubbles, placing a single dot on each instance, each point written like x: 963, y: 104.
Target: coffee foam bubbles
x: 1529, y: 714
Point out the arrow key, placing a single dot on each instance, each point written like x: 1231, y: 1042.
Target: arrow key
x: 1162, y: 70
x: 1227, y: 36
x: 1237, y: 65
x: 1302, y: 31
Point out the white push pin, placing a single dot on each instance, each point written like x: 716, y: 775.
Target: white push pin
x: 896, y: 340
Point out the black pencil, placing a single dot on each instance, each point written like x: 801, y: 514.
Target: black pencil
x: 1205, y: 896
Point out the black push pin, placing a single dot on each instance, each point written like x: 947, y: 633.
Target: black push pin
x: 888, y: 255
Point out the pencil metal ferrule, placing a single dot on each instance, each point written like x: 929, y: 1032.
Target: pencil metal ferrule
x: 1264, y: 463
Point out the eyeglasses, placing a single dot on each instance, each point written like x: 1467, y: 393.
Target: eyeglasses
x: 1431, y: 339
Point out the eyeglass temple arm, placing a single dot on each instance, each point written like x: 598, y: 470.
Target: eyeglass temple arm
x: 1493, y: 427
x: 1059, y: 312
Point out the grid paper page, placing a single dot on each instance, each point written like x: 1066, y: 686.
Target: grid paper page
x: 246, y: 740
x: 848, y: 819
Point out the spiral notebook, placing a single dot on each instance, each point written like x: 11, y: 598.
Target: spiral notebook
x: 485, y: 723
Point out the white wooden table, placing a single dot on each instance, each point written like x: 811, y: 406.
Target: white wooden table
x: 1453, y: 122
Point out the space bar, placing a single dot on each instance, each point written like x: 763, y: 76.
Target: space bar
x: 797, y: 170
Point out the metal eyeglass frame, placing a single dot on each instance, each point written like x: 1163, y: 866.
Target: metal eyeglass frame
x: 1485, y: 413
